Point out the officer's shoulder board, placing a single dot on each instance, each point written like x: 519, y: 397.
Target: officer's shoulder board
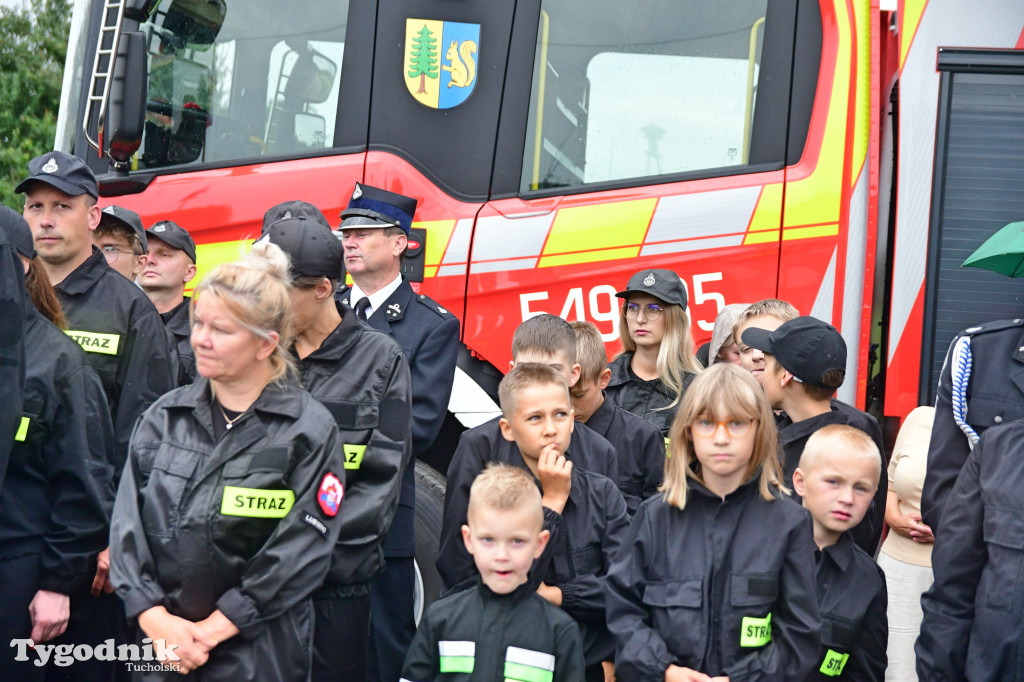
x: 433, y: 306
x: 994, y: 326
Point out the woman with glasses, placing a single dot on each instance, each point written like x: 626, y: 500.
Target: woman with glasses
x: 657, y: 361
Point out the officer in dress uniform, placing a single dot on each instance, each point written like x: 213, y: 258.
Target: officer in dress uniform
x: 375, y: 231
x: 981, y: 385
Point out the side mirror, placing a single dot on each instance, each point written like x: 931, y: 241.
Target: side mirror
x: 126, y: 110
x: 310, y: 131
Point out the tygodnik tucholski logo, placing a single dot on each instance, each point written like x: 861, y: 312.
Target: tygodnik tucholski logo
x: 153, y: 655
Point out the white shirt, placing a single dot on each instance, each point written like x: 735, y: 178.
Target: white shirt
x: 377, y: 299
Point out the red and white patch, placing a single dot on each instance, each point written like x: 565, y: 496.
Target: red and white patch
x: 331, y: 494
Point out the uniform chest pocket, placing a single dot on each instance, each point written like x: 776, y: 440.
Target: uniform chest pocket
x: 838, y: 632
x: 353, y: 416
x: 270, y: 464
x: 1003, y: 531
x: 163, y: 493
x: 677, y: 608
x: 588, y: 560
x: 752, y: 595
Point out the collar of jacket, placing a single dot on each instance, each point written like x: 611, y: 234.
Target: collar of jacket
x: 392, y: 310
x: 749, y: 487
x: 518, y: 594
x: 339, y: 341
x: 600, y: 421
x: 790, y: 431
x: 87, y: 274
x: 841, y: 553
x: 620, y: 369
x: 275, y: 399
x: 176, y: 319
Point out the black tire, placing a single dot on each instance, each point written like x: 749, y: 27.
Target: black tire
x: 430, y: 489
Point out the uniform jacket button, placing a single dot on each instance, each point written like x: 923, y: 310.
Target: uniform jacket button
x: 998, y: 419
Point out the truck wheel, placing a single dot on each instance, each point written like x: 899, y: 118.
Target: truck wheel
x: 430, y: 488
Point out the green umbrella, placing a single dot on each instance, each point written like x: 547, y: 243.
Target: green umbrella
x: 1003, y: 252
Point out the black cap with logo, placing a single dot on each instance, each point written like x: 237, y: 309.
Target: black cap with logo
x: 294, y: 209
x: 805, y: 346
x: 129, y: 220
x: 173, y: 234
x: 314, y: 250
x: 67, y: 173
x: 18, y: 232
x: 374, y: 207
x: 663, y: 285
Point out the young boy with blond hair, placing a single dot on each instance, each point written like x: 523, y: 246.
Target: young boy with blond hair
x: 768, y: 314
x: 584, y: 511
x: 638, y: 443
x: 502, y: 629
x: 838, y: 475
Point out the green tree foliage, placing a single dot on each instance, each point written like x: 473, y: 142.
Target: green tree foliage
x: 423, y: 60
x: 33, y: 44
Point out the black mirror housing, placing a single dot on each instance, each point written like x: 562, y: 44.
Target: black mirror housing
x: 126, y: 111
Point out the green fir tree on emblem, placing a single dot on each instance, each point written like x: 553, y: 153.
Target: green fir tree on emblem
x: 423, y: 58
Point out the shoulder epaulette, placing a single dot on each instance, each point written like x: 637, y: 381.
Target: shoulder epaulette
x: 994, y: 326
x: 433, y: 305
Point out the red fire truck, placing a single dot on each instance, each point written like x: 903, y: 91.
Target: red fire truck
x: 826, y: 152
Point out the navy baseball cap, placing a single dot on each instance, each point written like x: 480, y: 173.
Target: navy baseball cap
x: 664, y: 285
x: 18, y: 232
x: 67, y: 173
x: 374, y: 207
x: 315, y: 251
x: 294, y: 209
x: 130, y: 220
x: 173, y: 234
x: 805, y: 346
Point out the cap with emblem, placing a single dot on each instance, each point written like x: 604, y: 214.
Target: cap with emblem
x: 173, y: 234
x: 67, y: 173
x: 664, y: 285
x: 806, y: 347
x: 314, y: 250
x: 18, y: 232
x: 293, y: 209
x: 130, y: 220
x: 373, y: 207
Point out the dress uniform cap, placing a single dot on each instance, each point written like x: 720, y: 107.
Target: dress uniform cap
x: 67, y: 173
x: 314, y: 250
x: 173, y: 234
x: 664, y: 285
x: 127, y: 219
x: 374, y: 207
x: 294, y: 209
x: 18, y: 232
x: 805, y: 346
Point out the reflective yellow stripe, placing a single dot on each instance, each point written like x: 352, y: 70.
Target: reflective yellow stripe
x: 354, y: 455
x: 209, y: 256
x: 834, y: 663
x: 586, y: 234
x: 764, y: 225
x: 256, y: 502
x: 791, y: 233
x: 22, y: 430
x: 95, y: 342
x: 756, y: 631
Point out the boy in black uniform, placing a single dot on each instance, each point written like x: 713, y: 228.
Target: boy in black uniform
x: 837, y: 477
x: 545, y: 339
x: 584, y: 511
x: 362, y: 377
x: 170, y: 265
x: 804, y: 364
x: 500, y: 629
x: 638, y: 443
x: 120, y: 332
x: 122, y: 239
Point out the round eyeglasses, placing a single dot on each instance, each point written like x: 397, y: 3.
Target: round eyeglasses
x: 706, y: 428
x: 652, y: 311
x: 111, y: 253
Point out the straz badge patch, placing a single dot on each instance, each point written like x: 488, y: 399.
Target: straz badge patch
x: 440, y: 61
x: 330, y: 494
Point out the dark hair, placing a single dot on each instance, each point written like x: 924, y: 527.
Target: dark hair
x: 818, y: 393
x: 396, y: 232
x: 42, y: 295
x: 547, y: 334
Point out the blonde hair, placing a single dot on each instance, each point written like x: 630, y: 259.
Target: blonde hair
x: 255, y: 291
x: 590, y: 351
x: 721, y: 392
x: 502, y: 487
x: 675, y: 355
x: 523, y: 376
x: 784, y: 311
x: 851, y: 441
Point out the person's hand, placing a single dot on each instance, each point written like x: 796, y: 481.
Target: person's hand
x: 911, y: 526
x: 192, y: 643
x: 677, y: 674
x: 722, y: 678
x: 101, y: 583
x: 609, y: 671
x: 49, y: 612
x: 218, y: 626
x: 551, y: 593
x: 555, y: 474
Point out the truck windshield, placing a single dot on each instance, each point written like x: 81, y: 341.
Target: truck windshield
x: 234, y: 80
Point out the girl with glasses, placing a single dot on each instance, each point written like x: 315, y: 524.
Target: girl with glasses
x: 715, y: 579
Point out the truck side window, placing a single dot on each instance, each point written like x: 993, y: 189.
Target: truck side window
x: 641, y: 89
x: 229, y: 82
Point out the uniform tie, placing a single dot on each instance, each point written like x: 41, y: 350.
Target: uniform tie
x: 361, y: 306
